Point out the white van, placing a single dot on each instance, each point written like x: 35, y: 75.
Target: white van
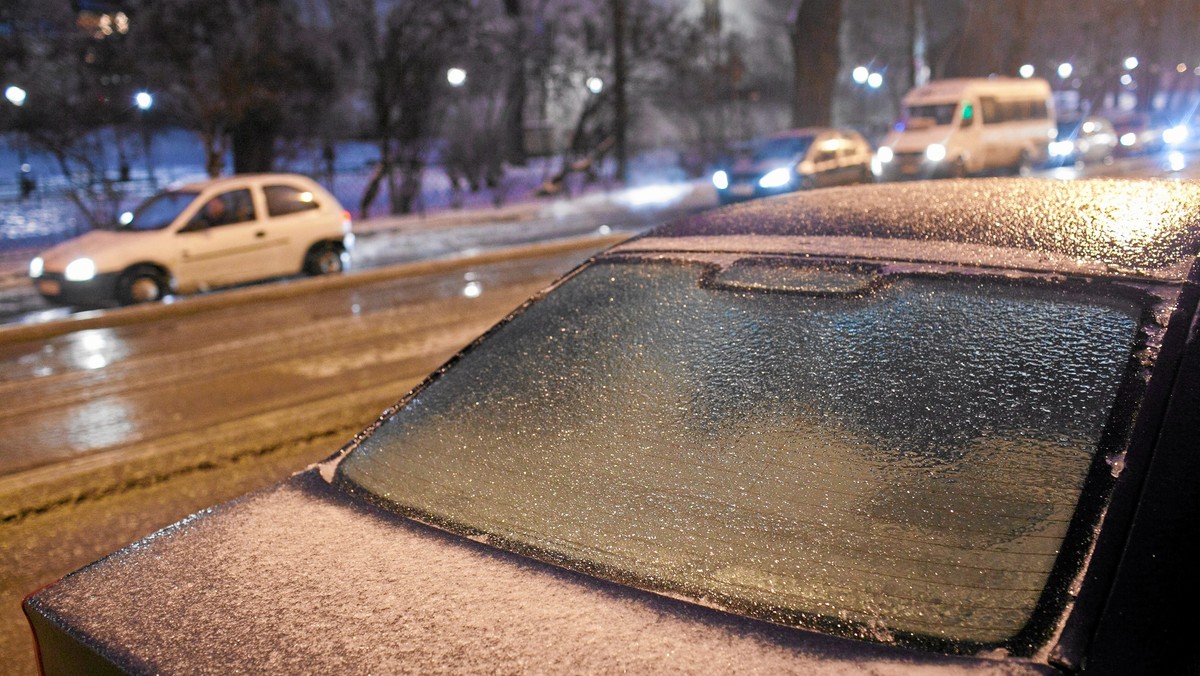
x: 967, y: 126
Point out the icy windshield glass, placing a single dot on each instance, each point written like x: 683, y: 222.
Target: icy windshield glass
x: 157, y: 212
x: 804, y: 444
x: 783, y: 149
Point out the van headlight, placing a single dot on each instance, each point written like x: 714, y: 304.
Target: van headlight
x: 936, y: 152
x: 1062, y: 148
x: 776, y: 178
x: 36, y: 267
x: 720, y: 179
x: 884, y: 155
x: 80, y: 270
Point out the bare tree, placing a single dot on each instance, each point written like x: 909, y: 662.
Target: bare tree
x: 814, y: 27
x: 411, y: 44
x: 241, y: 73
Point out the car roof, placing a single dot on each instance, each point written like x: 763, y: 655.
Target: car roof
x: 1148, y: 228
x: 801, y: 132
x: 239, y: 180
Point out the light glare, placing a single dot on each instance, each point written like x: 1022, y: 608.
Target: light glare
x: 80, y: 270
x: 720, y: 180
x: 15, y: 95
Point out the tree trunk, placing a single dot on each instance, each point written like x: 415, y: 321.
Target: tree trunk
x: 815, y: 25
x: 254, y: 143
x: 621, y: 117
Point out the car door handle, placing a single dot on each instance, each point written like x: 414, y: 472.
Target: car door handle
x: 260, y: 234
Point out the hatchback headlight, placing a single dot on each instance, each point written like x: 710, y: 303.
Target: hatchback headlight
x: 885, y: 154
x: 936, y: 152
x: 80, y: 270
x: 720, y: 179
x: 36, y: 267
x: 776, y: 178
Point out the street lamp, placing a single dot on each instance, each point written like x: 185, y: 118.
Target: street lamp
x: 875, y: 80
x: 595, y: 85
x: 456, y: 76
x: 143, y: 100
x: 15, y: 95
x: 1065, y: 70
x: 1131, y: 63
x: 861, y: 75
x: 1026, y: 71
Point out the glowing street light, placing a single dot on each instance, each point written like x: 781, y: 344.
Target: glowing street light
x: 1126, y: 79
x: 875, y: 80
x: 456, y: 77
x: 861, y: 74
x: 1131, y: 63
x: 143, y: 100
x: 1065, y: 70
x: 1026, y: 71
x: 15, y: 95
x: 595, y: 85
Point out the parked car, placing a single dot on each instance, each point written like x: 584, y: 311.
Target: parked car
x: 935, y: 427
x: 199, y: 236
x: 799, y: 159
x: 1083, y: 140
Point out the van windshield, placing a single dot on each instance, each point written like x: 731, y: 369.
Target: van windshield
x: 933, y: 115
x: 787, y: 440
x: 157, y: 212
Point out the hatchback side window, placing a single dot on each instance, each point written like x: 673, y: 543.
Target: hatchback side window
x: 235, y: 206
x: 284, y: 199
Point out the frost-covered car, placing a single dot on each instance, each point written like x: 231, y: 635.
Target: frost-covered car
x: 198, y: 236
x: 939, y: 427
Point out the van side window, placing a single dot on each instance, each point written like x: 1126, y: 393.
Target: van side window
x: 987, y: 107
x: 284, y: 199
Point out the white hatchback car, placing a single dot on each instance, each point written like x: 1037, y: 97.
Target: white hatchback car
x: 199, y: 236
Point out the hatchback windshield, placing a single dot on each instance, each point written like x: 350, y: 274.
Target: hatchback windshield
x: 157, y: 212
x: 809, y: 445
x: 783, y: 149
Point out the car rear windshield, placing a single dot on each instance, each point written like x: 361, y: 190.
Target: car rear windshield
x: 822, y: 446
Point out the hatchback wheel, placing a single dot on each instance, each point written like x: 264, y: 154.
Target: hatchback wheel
x: 325, y: 260
x: 141, y: 285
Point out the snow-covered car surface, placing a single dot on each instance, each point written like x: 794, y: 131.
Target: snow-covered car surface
x: 935, y: 427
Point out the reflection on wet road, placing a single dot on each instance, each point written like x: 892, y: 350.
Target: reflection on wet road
x: 111, y: 387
